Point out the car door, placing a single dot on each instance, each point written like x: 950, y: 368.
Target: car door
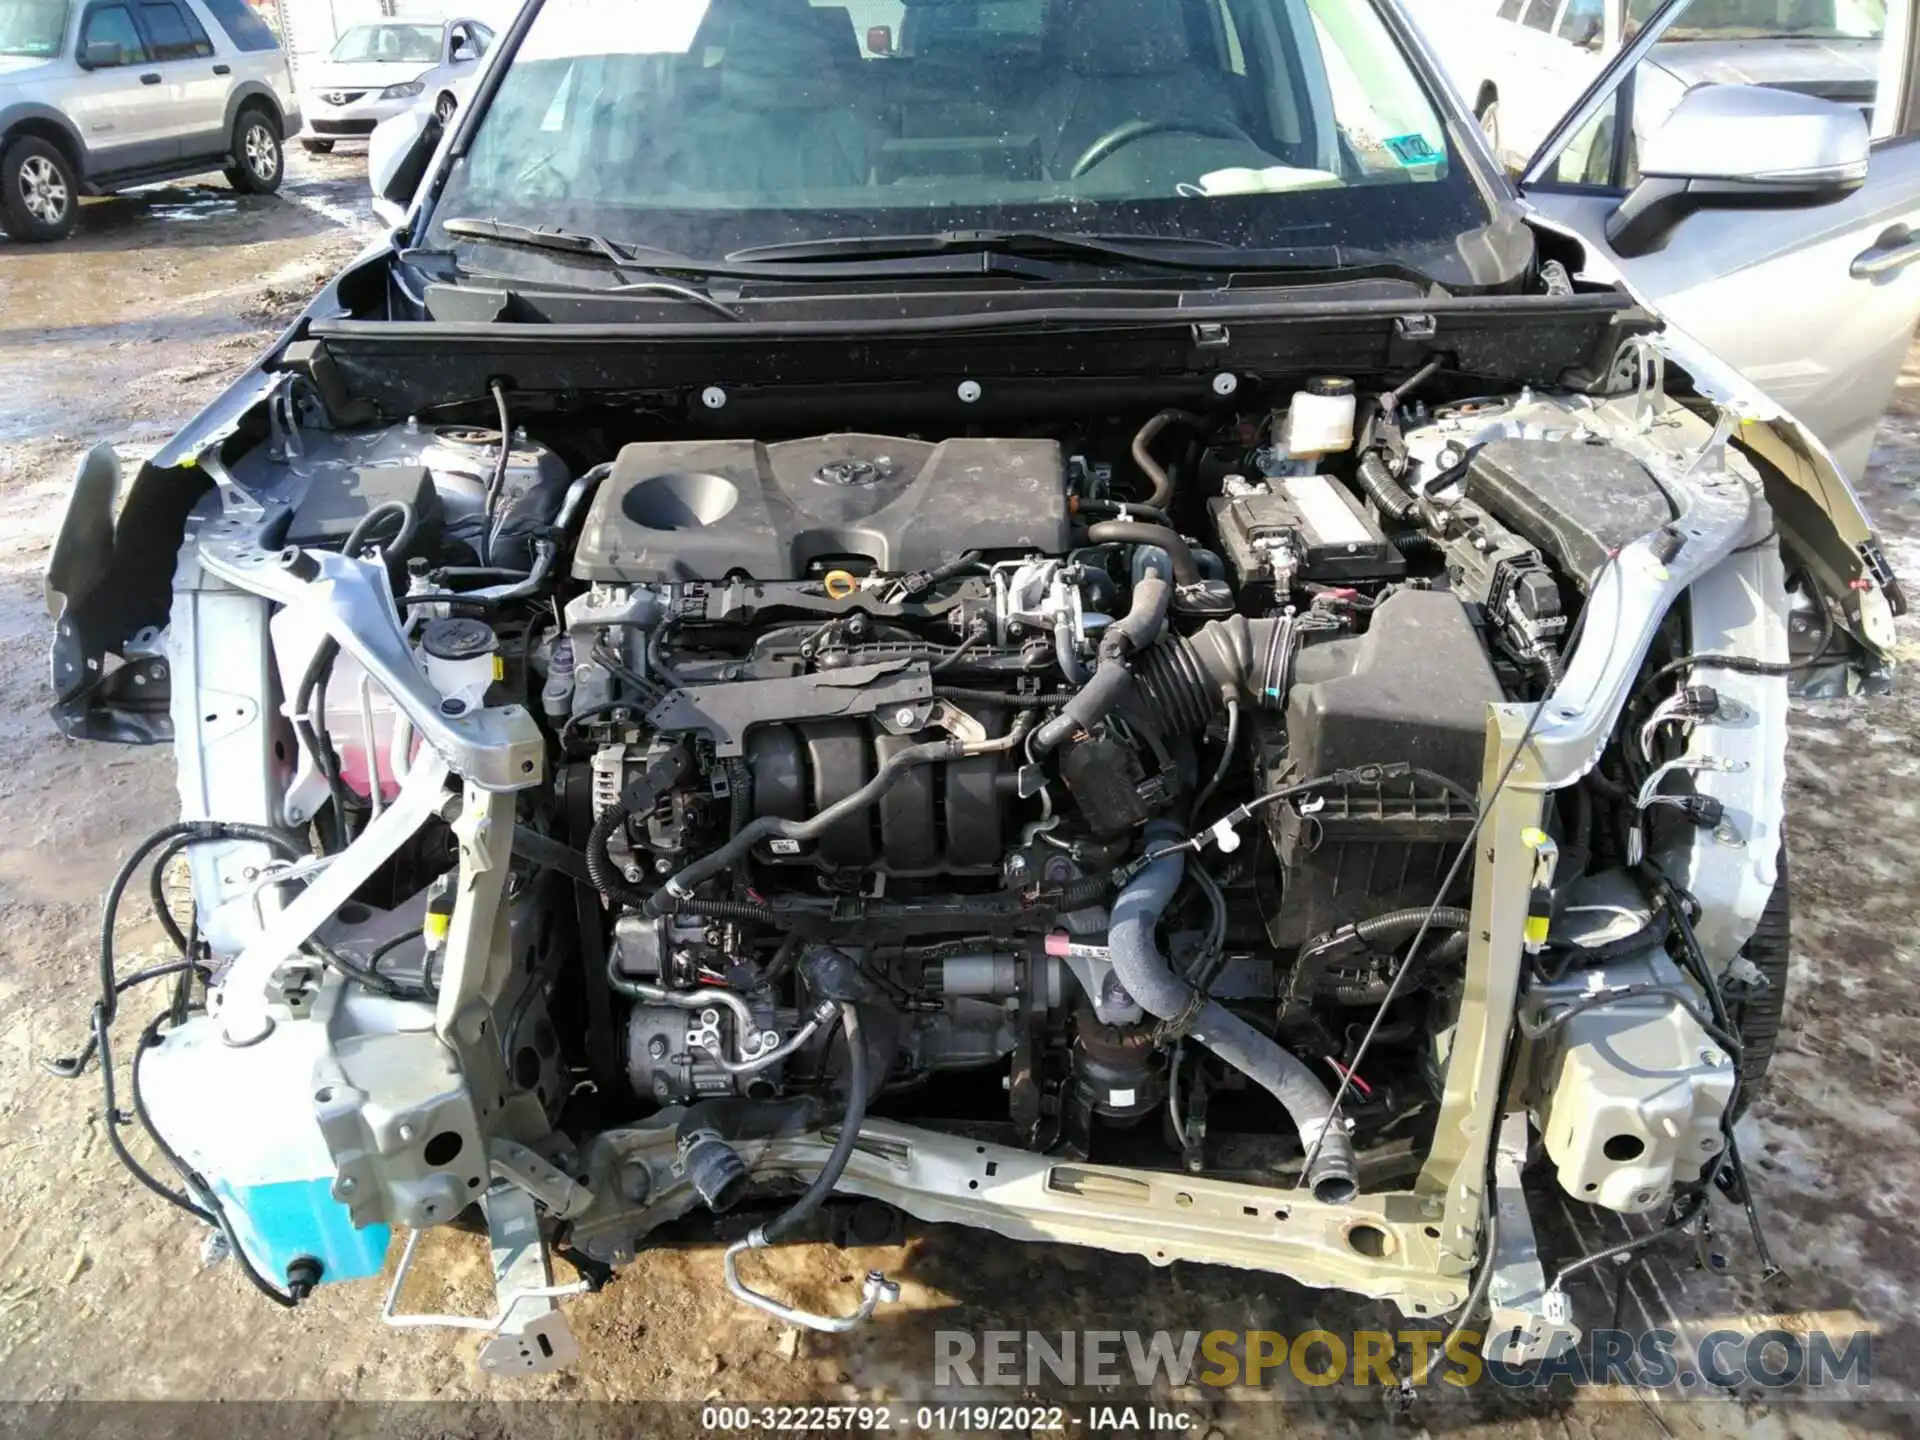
x: 461, y: 55
x: 196, y: 80
x: 1817, y: 306
x: 241, y: 36
x: 121, y: 103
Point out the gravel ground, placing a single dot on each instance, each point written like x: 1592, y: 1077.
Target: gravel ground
x: 123, y: 334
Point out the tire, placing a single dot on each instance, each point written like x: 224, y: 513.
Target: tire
x: 39, y: 193
x: 259, y: 161
x: 1757, y: 1020
x: 444, y: 107
x: 317, y: 147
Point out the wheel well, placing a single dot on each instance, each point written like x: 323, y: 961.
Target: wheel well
x: 448, y: 96
x: 263, y: 105
x: 1489, y: 95
x: 51, y: 133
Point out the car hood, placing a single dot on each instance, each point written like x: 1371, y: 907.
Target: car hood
x: 1831, y: 69
x: 19, y: 69
x: 363, y: 74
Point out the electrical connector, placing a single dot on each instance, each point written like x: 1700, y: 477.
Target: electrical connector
x: 1698, y: 702
x: 1702, y: 810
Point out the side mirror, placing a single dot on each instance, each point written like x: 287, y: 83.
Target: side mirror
x: 462, y: 52
x: 101, y: 55
x: 398, y: 153
x: 1740, y: 147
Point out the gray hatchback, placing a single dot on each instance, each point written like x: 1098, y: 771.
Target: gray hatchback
x: 100, y: 95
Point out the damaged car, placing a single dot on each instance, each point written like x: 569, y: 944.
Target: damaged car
x: 1067, y: 615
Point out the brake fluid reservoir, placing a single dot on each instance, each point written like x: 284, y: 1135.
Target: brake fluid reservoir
x: 1320, y: 419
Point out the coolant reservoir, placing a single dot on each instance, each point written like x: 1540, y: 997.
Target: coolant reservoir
x: 458, y: 657
x: 361, y: 721
x: 1320, y: 419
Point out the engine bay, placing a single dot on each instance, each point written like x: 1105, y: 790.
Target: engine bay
x: 622, y: 812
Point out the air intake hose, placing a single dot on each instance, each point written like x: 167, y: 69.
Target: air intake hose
x: 1151, y: 981
x: 1184, y: 681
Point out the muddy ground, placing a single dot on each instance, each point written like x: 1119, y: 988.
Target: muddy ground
x: 122, y: 334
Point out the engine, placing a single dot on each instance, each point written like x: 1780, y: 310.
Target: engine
x: 922, y: 700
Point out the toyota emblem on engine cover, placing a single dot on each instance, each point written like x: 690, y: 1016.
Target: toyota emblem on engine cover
x: 851, y: 473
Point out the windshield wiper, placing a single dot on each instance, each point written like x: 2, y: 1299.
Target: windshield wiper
x: 1037, y: 244
x: 620, y: 258
x: 956, y: 253
x: 1160, y: 252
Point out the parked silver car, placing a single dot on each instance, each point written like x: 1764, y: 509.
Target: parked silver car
x: 376, y: 72
x: 98, y: 96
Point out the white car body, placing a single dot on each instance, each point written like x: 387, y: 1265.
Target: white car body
x: 1518, y: 64
x: 394, y: 66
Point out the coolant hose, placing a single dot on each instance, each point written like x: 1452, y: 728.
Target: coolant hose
x: 707, y: 1132
x: 1151, y: 981
x: 1112, y: 678
x: 1186, y: 570
x: 1157, y: 477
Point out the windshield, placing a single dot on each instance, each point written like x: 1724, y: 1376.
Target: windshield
x: 1769, y: 19
x: 706, y: 126
x: 412, y: 44
x: 33, y: 28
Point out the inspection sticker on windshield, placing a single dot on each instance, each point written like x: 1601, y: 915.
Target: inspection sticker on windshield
x: 1413, y: 150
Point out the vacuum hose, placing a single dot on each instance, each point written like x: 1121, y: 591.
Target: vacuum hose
x: 1151, y: 981
x: 680, y: 887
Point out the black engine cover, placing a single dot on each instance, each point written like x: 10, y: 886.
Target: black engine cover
x: 707, y: 509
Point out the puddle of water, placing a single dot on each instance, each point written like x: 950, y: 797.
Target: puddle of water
x: 191, y: 211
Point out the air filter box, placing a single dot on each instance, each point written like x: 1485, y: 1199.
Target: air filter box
x: 1415, y: 690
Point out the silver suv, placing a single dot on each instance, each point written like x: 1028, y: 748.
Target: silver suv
x: 99, y: 95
